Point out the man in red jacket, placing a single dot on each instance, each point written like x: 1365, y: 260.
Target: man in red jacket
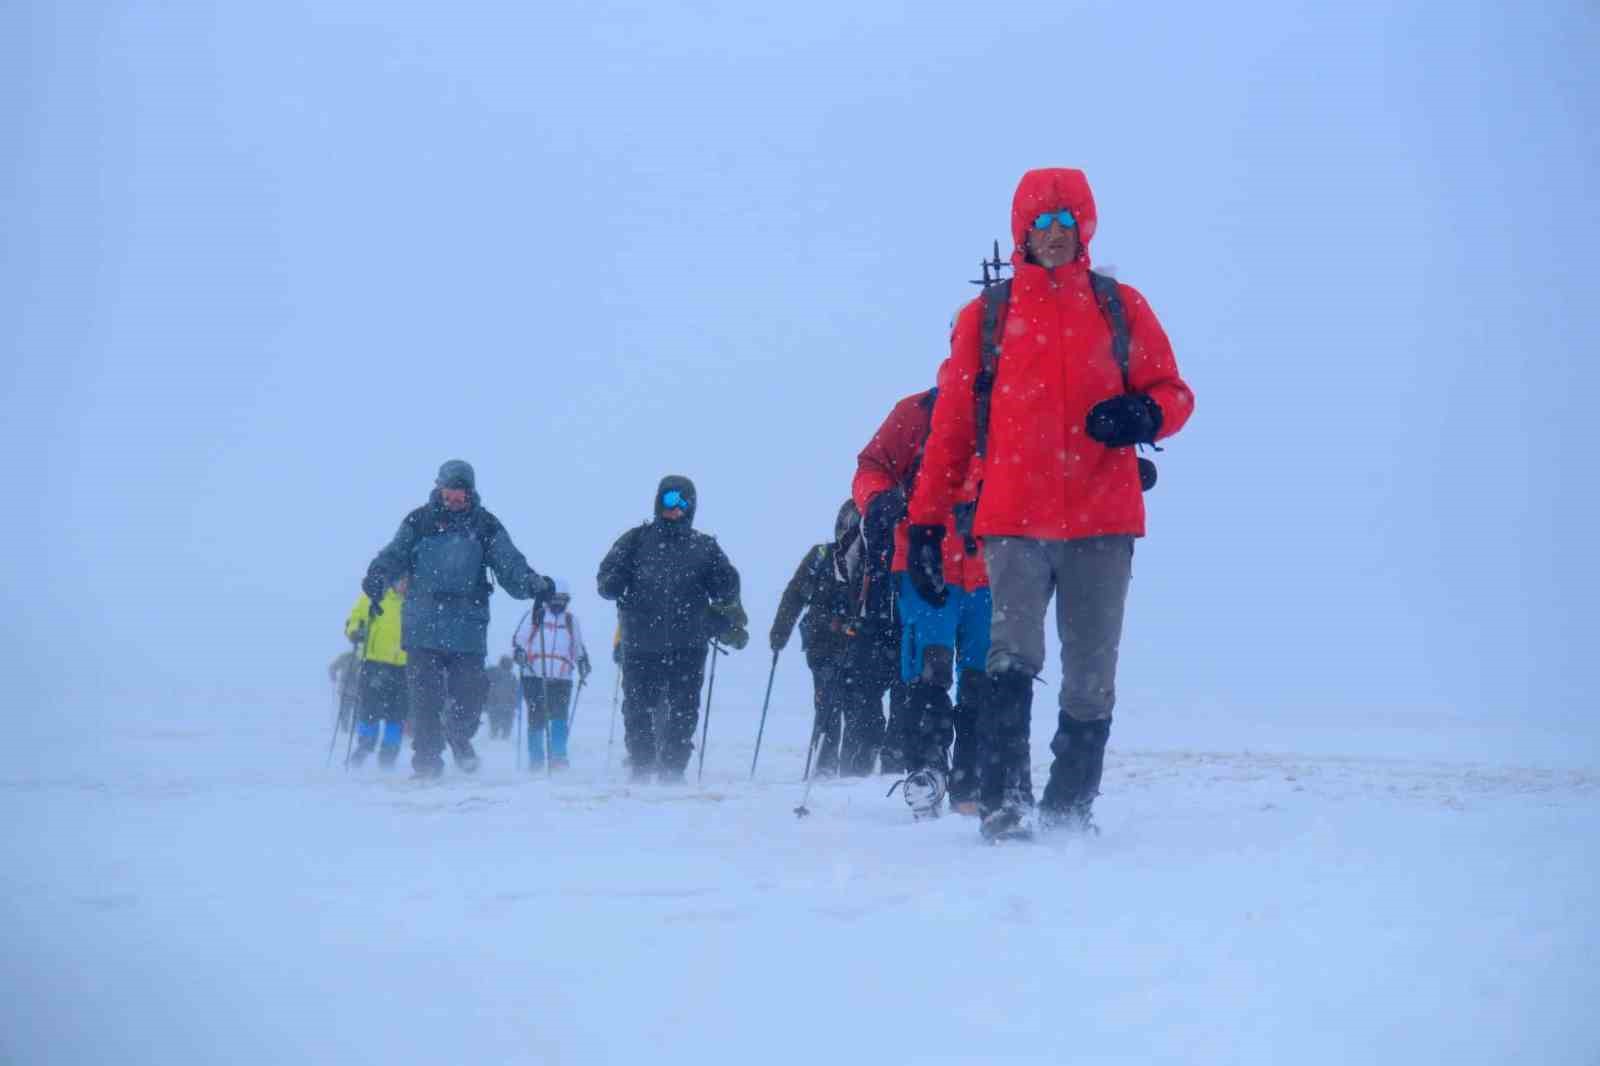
x: 885, y: 471
x: 1060, y: 505
x: 933, y: 639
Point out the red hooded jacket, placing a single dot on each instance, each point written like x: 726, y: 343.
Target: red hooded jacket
x: 1045, y: 477
x: 891, y: 459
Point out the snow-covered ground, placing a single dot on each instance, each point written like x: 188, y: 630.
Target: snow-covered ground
x: 1367, y: 892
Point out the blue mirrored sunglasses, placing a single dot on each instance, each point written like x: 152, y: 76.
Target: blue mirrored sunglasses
x: 674, y: 499
x: 1063, y: 216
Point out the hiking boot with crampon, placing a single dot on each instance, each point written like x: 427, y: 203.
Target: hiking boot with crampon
x: 923, y: 791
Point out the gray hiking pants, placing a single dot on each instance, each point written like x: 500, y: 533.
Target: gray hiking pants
x: 1089, y: 579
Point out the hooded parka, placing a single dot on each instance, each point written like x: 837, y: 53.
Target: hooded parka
x: 1045, y: 477
x: 666, y: 578
x: 890, y: 461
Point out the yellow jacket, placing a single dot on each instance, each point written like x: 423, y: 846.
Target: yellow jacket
x: 381, y: 638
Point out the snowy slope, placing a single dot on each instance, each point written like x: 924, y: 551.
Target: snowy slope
x: 209, y: 894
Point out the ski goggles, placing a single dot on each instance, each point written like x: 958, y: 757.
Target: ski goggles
x: 1063, y: 216
x: 673, y: 500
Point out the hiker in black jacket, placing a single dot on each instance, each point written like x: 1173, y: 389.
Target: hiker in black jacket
x: 849, y: 669
x: 676, y: 592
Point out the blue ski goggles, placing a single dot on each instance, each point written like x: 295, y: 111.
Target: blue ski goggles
x: 1063, y: 216
x: 672, y: 500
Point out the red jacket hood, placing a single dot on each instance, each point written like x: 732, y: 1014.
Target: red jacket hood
x: 1051, y: 189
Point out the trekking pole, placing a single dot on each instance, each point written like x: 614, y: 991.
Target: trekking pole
x: 328, y: 764
x: 816, y: 731
x: 522, y: 709
x: 705, y: 723
x: 544, y: 697
x: 764, y: 705
x: 355, y: 705
x: 572, y: 715
x: 350, y: 745
x: 802, y: 810
x: 611, y: 738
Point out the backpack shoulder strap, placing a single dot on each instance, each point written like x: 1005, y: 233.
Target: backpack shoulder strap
x: 1109, y: 296
x: 821, y: 565
x: 996, y: 297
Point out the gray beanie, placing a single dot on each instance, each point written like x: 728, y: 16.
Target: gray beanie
x: 456, y: 474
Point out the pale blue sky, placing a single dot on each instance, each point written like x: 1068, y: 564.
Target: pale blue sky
x: 266, y: 265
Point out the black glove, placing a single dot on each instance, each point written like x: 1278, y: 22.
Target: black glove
x: 584, y: 668
x: 884, y: 512
x: 925, y: 563
x: 519, y: 655
x: 543, y: 589
x: 779, y: 640
x: 374, y: 586
x: 728, y: 624
x: 1122, y: 421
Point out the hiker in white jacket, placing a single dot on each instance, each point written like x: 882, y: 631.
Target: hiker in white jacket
x: 548, y: 648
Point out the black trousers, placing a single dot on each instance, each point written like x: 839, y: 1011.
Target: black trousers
x: 849, y: 717
x: 547, y: 700
x: 447, y: 694
x: 897, y: 736
x: 661, y: 706
x: 383, y: 692
x: 930, y: 725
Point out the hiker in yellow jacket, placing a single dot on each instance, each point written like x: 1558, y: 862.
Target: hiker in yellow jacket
x: 383, y: 675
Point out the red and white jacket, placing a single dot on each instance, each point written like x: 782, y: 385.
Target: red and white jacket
x: 552, y: 645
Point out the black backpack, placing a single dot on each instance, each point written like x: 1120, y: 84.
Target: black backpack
x: 996, y: 298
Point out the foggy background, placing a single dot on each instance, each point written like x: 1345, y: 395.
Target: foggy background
x: 264, y: 267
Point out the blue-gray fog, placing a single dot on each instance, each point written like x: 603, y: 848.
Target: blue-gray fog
x: 265, y: 266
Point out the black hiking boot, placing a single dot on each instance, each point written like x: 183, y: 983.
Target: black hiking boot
x: 1005, y: 790
x: 1012, y: 820
x: 466, y: 758
x: 1080, y: 755
x: 1078, y: 818
x: 963, y: 792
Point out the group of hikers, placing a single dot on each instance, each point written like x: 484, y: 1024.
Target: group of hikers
x: 1014, y: 480
x: 422, y: 623
x: 373, y: 695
